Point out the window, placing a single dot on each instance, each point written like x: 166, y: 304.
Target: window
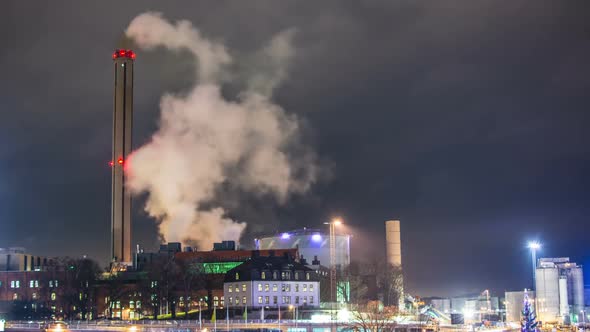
x: 296, y: 275
x: 283, y: 277
x: 56, y: 283
x: 296, y: 299
x: 237, y: 276
x: 304, y: 288
x: 15, y: 296
x: 237, y: 300
x: 311, y: 299
x: 275, y: 287
x: 311, y: 287
x: 304, y: 300
x: 259, y: 299
x: 288, y: 288
x: 266, y: 300
x: 274, y: 299
x: 33, y: 283
x: 237, y: 289
x: 306, y: 275
x: 215, y: 301
x: 50, y: 283
x: 15, y: 284
x: 266, y: 287
x: 263, y: 275
x: 131, y: 304
x: 244, y: 287
x: 34, y: 296
x: 154, y: 284
x: 282, y: 287
x: 230, y: 289
x: 222, y: 301
x: 274, y: 275
x: 244, y: 300
x: 231, y: 300
x: 286, y: 299
x: 260, y: 287
x: 138, y: 304
x: 297, y: 287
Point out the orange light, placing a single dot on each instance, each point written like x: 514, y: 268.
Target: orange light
x: 120, y: 161
x: 337, y: 221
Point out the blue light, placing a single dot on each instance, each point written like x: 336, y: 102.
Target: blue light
x: 316, y: 237
x: 285, y: 236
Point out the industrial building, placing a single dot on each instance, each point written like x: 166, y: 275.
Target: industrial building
x: 122, y: 135
x: 311, y: 243
x: 271, y: 282
x: 514, y: 304
x: 559, y: 286
x: 17, y: 259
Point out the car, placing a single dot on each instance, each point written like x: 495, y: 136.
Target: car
x: 55, y: 326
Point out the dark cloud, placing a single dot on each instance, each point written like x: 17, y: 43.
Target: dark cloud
x: 466, y: 120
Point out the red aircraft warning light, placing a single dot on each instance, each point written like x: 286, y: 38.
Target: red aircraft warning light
x: 111, y: 163
x: 120, y: 161
x: 124, y: 54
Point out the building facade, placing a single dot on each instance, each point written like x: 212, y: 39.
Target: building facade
x: 271, y: 282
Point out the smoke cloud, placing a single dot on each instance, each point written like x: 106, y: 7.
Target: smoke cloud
x: 206, y: 140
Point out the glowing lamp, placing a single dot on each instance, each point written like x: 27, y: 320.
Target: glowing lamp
x: 111, y: 163
x: 316, y: 237
x: 285, y: 236
x: 122, y: 52
x: 534, y: 245
x: 120, y: 161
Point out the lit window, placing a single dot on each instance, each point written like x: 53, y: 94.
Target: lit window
x: 296, y: 299
x: 118, y: 305
x: 283, y: 275
x: 237, y: 276
x: 266, y: 300
x: 237, y: 300
x: 231, y: 300
x: 263, y: 275
x: 244, y: 287
x: 307, y: 276
x: 259, y: 299
x: 297, y: 287
x: 34, y: 296
x: 288, y: 289
x: 311, y: 299
x: 275, y: 287
x: 138, y: 304
x: 266, y: 287
x: 53, y: 296
x: 56, y: 283
x: 230, y: 288
x: 311, y: 287
x: 12, y: 284
x: 282, y: 287
x: 244, y: 300
x: 260, y: 287
x: 296, y: 275
x: 131, y: 304
x: 15, y: 296
x: 274, y: 275
x: 304, y: 288
x: 237, y: 288
x: 304, y: 299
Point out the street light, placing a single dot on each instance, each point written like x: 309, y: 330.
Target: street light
x: 534, y: 246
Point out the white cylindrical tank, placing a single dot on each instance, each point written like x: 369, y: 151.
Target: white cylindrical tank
x: 393, y: 242
x: 577, y: 282
x: 547, y: 290
x: 564, y: 308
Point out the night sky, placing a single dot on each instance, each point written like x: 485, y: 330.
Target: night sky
x: 467, y: 120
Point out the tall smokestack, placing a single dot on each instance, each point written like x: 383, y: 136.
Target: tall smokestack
x: 122, y: 130
x: 393, y: 242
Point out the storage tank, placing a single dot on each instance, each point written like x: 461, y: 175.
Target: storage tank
x: 577, y: 287
x: 547, y: 290
x: 393, y: 242
x: 311, y: 243
x: 564, y: 308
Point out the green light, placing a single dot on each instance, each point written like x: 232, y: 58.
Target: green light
x: 219, y: 268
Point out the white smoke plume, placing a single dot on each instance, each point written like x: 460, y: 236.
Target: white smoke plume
x: 205, y: 140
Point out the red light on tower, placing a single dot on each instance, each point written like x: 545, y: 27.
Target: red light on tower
x: 122, y: 52
x: 120, y: 161
x: 111, y: 163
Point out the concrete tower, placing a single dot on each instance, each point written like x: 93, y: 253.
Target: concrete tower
x: 393, y: 246
x: 122, y: 130
x: 393, y: 242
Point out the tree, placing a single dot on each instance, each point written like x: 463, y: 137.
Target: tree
x: 116, y: 289
x: 390, y: 283
x: 528, y: 322
x: 79, y: 285
x: 192, y: 277
x: 374, y: 317
x: 159, y: 283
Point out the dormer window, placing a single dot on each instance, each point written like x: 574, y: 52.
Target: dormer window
x: 263, y: 275
x: 274, y: 275
x: 237, y: 276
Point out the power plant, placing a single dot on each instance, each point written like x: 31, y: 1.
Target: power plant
x: 122, y: 134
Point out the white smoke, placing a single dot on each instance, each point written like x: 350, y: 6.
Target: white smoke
x: 205, y: 141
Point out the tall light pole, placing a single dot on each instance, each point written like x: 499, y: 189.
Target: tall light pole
x: 534, y: 246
